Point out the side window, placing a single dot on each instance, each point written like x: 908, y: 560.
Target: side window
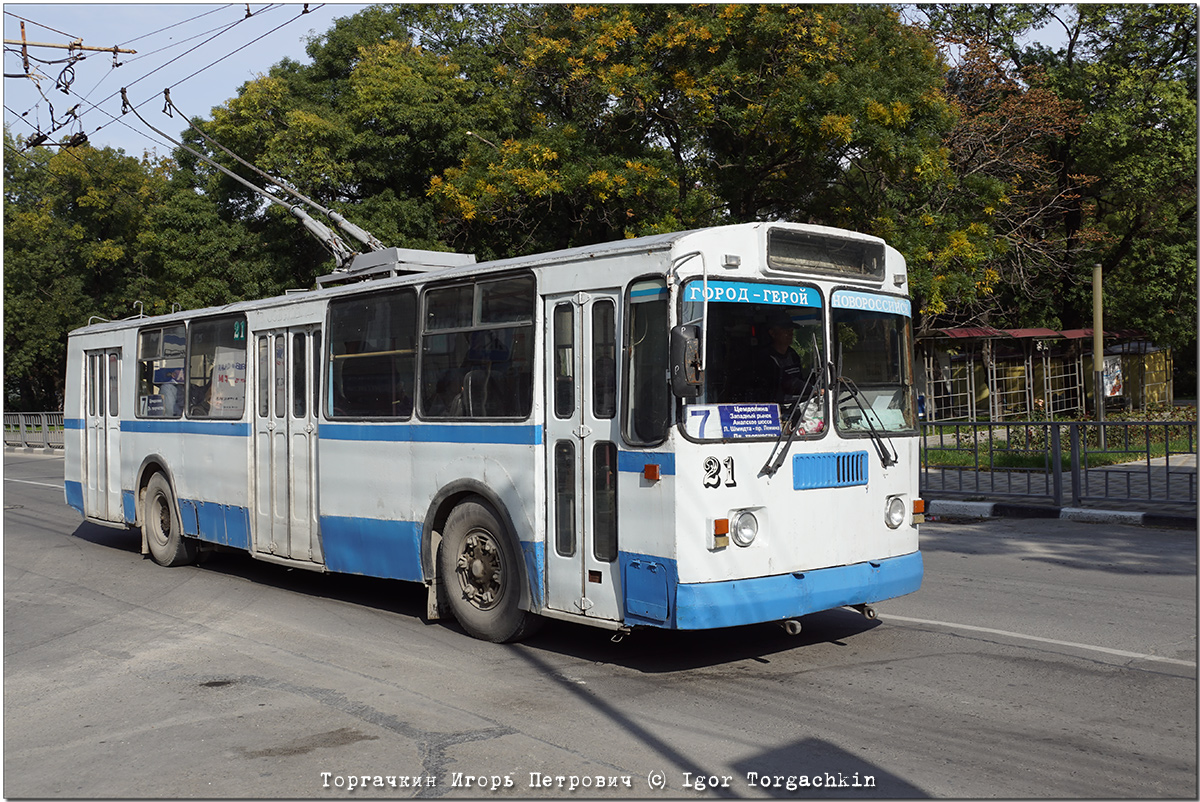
x: 263, y: 371
x: 160, y: 368
x: 564, y: 498
x: 477, y: 350
x: 216, y: 376
x: 372, y: 342
x: 114, y: 385
x: 280, y: 376
x: 604, y: 360
x: 604, y: 501
x: 564, y: 360
x: 647, y: 395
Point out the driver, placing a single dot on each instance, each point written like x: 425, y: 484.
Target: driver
x: 777, y: 372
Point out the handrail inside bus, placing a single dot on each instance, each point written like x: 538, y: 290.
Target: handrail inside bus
x: 396, y: 352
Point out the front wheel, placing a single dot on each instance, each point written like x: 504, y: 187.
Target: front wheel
x: 160, y: 525
x: 480, y: 569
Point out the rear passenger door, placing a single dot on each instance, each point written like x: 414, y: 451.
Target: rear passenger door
x: 102, y: 441
x: 285, y: 442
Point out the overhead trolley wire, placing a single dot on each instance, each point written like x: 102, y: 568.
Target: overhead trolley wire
x: 40, y: 25
x: 219, y: 32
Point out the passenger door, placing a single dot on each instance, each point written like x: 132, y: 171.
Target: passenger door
x: 285, y: 443
x: 102, y: 461
x: 582, y: 570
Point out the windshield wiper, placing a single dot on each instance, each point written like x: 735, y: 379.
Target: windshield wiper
x: 795, y: 416
x: 887, y: 459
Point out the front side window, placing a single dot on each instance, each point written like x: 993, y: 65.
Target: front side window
x: 872, y: 348
x: 160, y: 367
x: 373, y: 355
x: 764, y: 360
x: 477, y: 350
x: 216, y: 375
x: 647, y: 392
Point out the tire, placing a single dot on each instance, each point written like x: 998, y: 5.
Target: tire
x: 161, y: 526
x: 481, y: 572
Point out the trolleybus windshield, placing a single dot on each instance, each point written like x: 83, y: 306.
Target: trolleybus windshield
x: 872, y: 340
x: 765, y: 355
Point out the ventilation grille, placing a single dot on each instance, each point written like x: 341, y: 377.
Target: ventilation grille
x: 811, y: 471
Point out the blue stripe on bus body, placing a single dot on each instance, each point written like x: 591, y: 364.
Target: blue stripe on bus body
x: 74, y: 423
x: 635, y: 461
x: 535, y: 569
x: 489, y: 434
x: 372, y: 547
x: 222, y: 428
x: 226, y: 524
x: 129, y: 506
x: 74, y: 493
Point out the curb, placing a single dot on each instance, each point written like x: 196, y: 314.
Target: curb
x: 996, y: 509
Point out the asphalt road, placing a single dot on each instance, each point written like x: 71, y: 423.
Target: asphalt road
x: 1040, y: 659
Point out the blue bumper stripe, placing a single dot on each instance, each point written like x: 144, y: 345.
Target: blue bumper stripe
x: 773, y: 598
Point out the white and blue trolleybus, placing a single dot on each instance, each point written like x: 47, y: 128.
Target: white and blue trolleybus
x: 702, y: 429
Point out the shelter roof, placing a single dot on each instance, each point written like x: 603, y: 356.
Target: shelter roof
x: 1040, y: 333
x: 971, y: 332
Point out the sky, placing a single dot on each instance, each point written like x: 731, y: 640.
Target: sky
x: 202, y: 52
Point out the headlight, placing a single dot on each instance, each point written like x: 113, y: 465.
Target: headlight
x: 743, y: 528
x: 894, y: 514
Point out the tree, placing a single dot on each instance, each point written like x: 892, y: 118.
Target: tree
x: 646, y: 118
x: 71, y: 225
x: 1123, y: 160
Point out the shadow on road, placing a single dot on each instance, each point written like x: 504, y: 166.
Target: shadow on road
x: 646, y: 650
x: 1087, y: 547
x: 654, y: 651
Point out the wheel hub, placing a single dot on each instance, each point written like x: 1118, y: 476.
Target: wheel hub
x: 481, y: 569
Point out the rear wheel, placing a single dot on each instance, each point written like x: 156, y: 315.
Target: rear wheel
x: 160, y: 525
x: 480, y: 569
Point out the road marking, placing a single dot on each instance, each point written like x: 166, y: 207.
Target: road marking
x: 39, y: 484
x: 1021, y: 636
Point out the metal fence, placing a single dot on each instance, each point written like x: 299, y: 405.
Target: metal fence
x: 1077, y: 463
x: 33, y: 430
x: 1080, y: 463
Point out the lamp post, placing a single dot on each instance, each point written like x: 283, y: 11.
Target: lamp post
x: 1098, y: 345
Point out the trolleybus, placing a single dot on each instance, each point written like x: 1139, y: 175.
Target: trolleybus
x: 702, y: 429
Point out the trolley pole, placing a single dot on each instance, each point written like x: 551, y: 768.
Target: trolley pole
x: 1098, y: 345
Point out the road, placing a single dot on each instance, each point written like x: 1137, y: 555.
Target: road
x: 1040, y: 659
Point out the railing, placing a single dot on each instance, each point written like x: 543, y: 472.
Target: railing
x: 33, y: 430
x: 1146, y: 462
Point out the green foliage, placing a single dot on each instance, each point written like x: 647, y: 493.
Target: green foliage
x: 71, y: 225
x: 1107, y: 173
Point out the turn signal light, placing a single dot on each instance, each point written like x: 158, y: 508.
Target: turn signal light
x: 720, y: 538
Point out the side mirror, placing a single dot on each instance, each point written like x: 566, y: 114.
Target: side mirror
x: 686, y: 375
